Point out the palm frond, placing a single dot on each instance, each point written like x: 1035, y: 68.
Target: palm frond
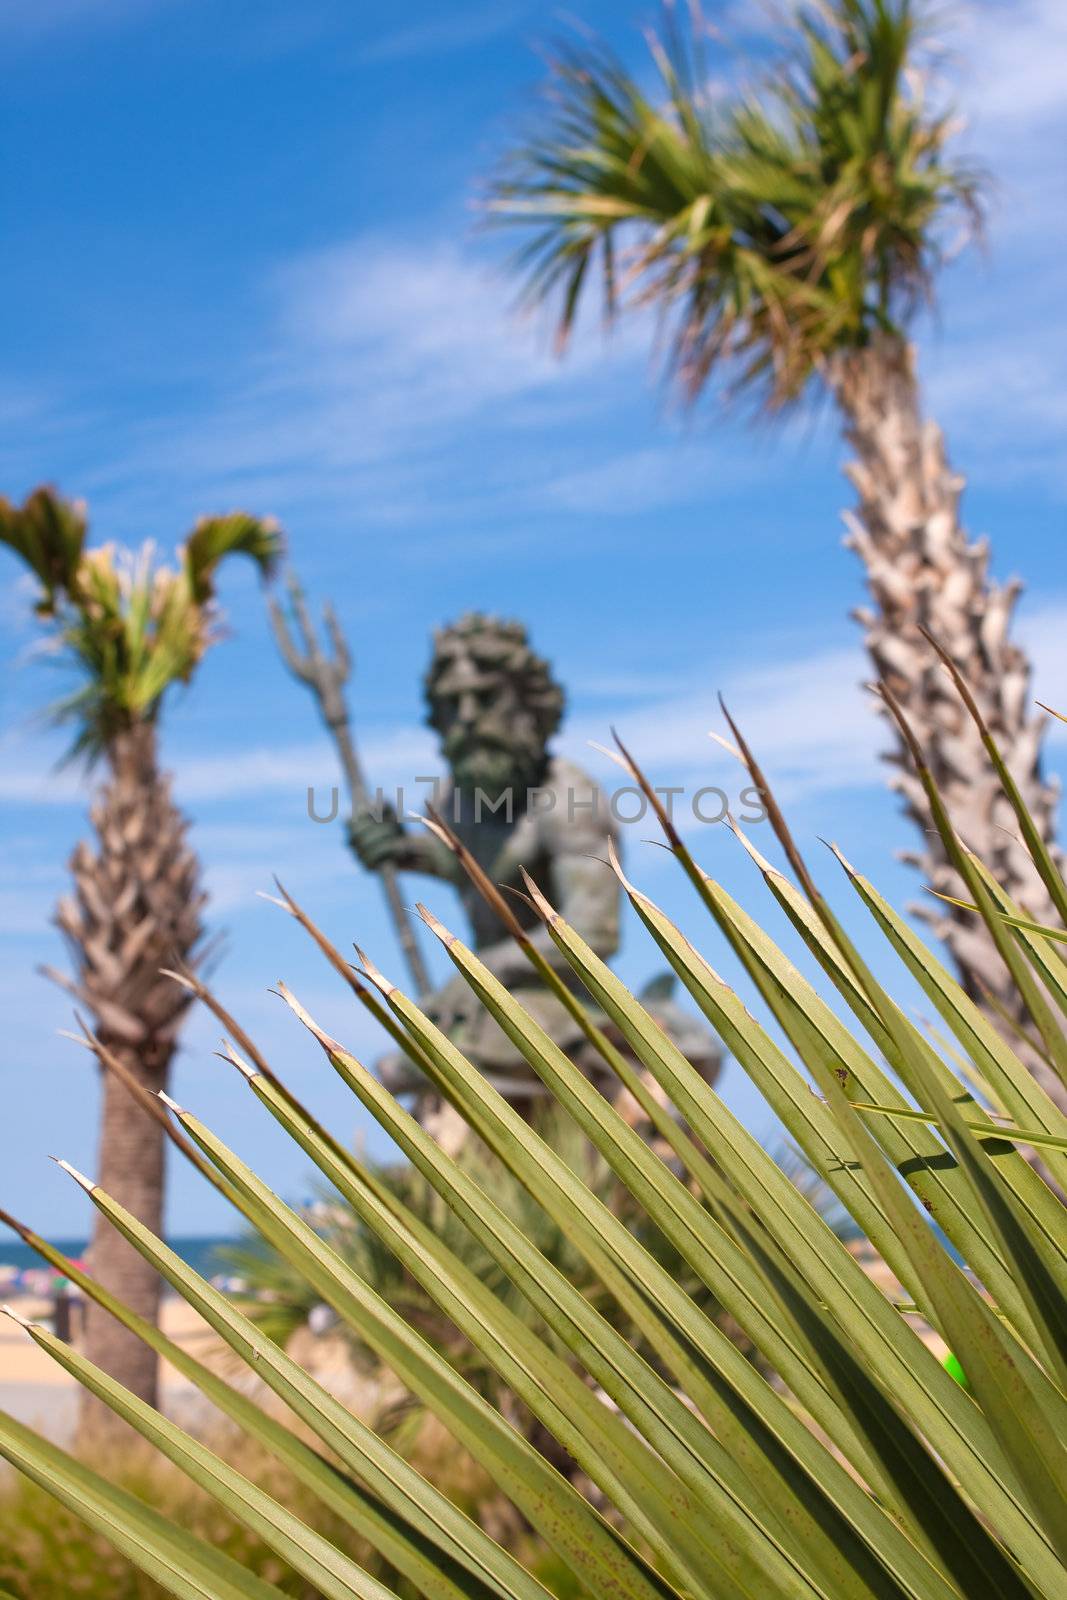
x: 129, y: 625
x: 769, y: 230
x: 214, y: 538
x: 904, y: 1439
x: 48, y: 532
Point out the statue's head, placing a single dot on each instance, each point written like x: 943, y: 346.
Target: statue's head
x: 494, y: 703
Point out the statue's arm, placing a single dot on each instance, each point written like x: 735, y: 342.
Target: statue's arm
x: 379, y: 840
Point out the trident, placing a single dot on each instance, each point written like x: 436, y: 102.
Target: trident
x: 326, y: 677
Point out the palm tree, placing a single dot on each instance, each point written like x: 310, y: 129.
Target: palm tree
x: 132, y: 628
x: 786, y: 240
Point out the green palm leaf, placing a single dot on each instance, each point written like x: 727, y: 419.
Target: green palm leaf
x: 179, y: 1561
x: 768, y: 233
x: 865, y: 1469
x: 215, y: 538
x: 129, y: 626
x: 49, y: 534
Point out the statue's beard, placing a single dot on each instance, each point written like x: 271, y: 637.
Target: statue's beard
x: 493, y: 766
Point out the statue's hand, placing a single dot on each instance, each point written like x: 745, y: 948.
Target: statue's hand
x: 377, y: 840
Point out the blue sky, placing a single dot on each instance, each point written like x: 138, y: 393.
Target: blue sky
x: 240, y: 267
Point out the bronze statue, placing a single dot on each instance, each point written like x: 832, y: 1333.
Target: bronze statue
x: 513, y: 803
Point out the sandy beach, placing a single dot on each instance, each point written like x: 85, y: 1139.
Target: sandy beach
x: 36, y: 1390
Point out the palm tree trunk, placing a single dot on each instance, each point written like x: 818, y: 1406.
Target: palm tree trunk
x: 131, y: 1167
x: 922, y: 568
x: 136, y: 907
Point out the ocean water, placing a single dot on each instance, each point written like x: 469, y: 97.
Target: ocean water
x: 199, y: 1253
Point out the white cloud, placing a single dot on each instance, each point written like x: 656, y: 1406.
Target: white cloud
x: 1044, y: 634
x: 807, y: 715
x: 427, y: 331
x: 380, y: 358
x: 456, y: 31
x: 647, y: 480
x: 29, y: 776
x: 235, y: 876
x: 29, y: 890
x: 1029, y: 383
x: 996, y: 364
x: 379, y: 361
x: 1014, y: 63
x: 807, y: 718
x: 999, y: 390
x: 27, y: 23
x: 391, y: 755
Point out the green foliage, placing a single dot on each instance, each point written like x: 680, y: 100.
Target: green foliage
x: 46, y: 1550
x: 214, y: 538
x: 49, y: 534
x: 768, y: 230
x: 847, y: 1461
x: 131, y: 626
x: 280, y: 1300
